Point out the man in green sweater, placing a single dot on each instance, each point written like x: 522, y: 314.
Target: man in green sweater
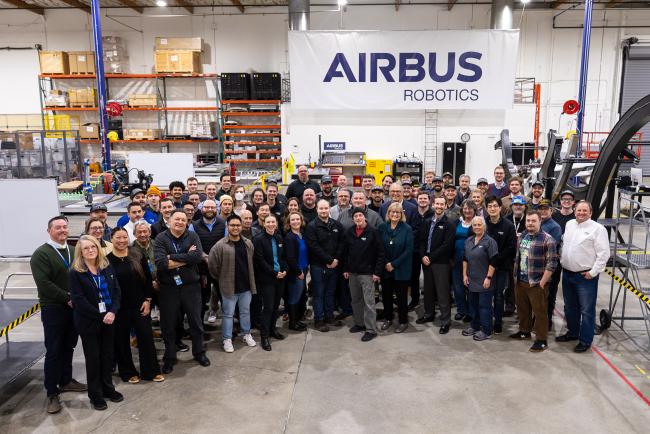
x: 50, y: 264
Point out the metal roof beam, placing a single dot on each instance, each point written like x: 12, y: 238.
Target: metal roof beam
x: 185, y: 5
x: 450, y: 4
x: 20, y: 4
x: 78, y: 4
x: 557, y: 3
x: 133, y: 5
x: 238, y: 5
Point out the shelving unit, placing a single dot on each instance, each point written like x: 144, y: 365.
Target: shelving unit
x: 255, y: 140
x: 49, y: 81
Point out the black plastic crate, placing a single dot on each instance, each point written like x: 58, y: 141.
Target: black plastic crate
x: 266, y: 85
x: 116, y: 125
x: 235, y: 85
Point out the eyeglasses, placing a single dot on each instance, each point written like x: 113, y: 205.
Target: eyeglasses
x: 88, y: 248
x: 96, y: 228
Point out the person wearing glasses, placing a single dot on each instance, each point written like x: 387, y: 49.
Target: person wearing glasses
x: 96, y: 297
x: 95, y: 228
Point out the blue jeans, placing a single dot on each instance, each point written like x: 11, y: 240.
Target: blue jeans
x: 228, y: 304
x: 580, y: 305
x: 296, y: 287
x: 480, y: 308
x: 460, y: 291
x: 323, y: 287
x: 500, y: 285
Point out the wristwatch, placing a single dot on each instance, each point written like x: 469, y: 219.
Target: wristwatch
x: 488, y: 277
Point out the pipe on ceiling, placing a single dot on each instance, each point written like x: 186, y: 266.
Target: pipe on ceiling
x: 299, y: 15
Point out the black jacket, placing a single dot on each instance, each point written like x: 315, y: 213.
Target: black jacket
x: 442, y: 240
x: 503, y: 232
x: 291, y: 252
x: 297, y: 188
x: 178, y: 250
x: 363, y: 254
x: 263, y: 257
x: 418, y: 220
x: 309, y: 214
x: 157, y: 228
x: 209, y: 238
x: 85, y: 301
x: 325, y: 241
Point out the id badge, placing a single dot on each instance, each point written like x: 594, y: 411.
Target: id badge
x: 178, y: 280
x: 102, y: 307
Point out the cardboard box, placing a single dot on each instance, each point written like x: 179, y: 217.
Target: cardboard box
x: 178, y: 61
x: 89, y: 131
x: 192, y: 44
x: 56, y: 98
x: 143, y: 100
x: 84, y: 97
x: 81, y: 62
x: 141, y: 134
x: 53, y: 62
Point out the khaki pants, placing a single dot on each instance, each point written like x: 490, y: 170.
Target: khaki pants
x: 362, y: 290
x: 532, y: 300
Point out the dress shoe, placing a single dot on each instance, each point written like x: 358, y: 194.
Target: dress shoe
x: 275, y: 334
x: 424, y: 319
x: 74, y: 386
x: 565, y: 338
x: 458, y: 316
x: 581, y: 348
x: 444, y: 329
x: 368, y: 336
x: 333, y: 322
x: 538, y: 346
x: 401, y: 328
x: 498, y: 329
x: 341, y: 316
x: 115, y: 396
x: 53, y: 404
x: 520, y: 336
x: 357, y: 329
x: 386, y: 325
x: 297, y: 327
x: 202, y: 359
x: 168, y: 367
x: 412, y: 306
x: 266, y: 344
x: 98, y: 404
x: 321, y: 326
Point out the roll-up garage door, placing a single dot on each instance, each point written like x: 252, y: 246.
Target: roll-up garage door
x: 636, y: 85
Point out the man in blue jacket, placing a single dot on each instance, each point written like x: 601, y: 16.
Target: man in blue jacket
x: 553, y: 228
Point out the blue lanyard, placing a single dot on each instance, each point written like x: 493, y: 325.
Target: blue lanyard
x: 98, y: 283
x: 175, y: 246
x: 67, y: 263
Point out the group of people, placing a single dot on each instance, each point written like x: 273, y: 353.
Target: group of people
x: 488, y: 250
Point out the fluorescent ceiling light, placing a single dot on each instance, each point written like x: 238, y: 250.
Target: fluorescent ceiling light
x: 525, y: 1
x: 343, y: 2
x: 161, y: 3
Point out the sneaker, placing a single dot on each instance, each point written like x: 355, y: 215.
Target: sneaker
x: 498, y: 329
x: 520, y: 336
x: 155, y: 314
x: 357, y: 329
x: 227, y: 346
x: 212, y: 317
x: 134, y: 380
x: 481, y: 336
x: 53, y: 404
x: 158, y: 379
x: 469, y: 332
x: 368, y: 336
x: 248, y: 340
x: 538, y: 347
x: 181, y: 347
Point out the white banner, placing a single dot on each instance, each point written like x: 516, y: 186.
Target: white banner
x: 455, y: 69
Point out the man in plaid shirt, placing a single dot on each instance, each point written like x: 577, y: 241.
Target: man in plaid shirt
x: 534, y: 265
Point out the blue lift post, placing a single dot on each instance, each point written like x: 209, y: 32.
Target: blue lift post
x: 584, y: 66
x: 101, y: 85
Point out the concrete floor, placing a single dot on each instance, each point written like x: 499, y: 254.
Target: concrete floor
x: 418, y: 382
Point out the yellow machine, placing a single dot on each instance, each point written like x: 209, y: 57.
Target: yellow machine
x: 379, y: 169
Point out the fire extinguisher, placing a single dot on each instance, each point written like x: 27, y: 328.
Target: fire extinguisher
x: 233, y: 171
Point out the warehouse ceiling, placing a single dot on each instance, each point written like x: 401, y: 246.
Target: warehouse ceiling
x: 39, y: 6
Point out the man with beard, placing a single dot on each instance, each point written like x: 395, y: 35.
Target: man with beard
x: 298, y: 186
x: 376, y: 198
x: 193, y: 187
x: 359, y: 203
x: 210, y: 228
x: 452, y: 211
x: 536, y: 194
x: 343, y: 199
x: 308, y: 207
x: 327, y: 191
x: 424, y: 212
x: 437, y: 187
x: 367, y: 182
x: 463, y: 189
x: 176, y: 189
x: 515, y: 185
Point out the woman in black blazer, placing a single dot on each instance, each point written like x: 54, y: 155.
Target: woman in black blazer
x: 270, y: 270
x: 136, y: 290
x: 95, y: 296
x: 297, y: 254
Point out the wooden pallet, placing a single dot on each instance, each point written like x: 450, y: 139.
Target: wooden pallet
x: 82, y: 105
x: 80, y: 73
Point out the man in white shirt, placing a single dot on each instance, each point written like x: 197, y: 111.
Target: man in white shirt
x: 585, y: 253
x: 134, y: 212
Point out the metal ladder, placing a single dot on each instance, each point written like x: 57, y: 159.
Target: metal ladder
x: 430, y: 140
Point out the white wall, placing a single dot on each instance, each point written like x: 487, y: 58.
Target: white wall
x: 258, y: 42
